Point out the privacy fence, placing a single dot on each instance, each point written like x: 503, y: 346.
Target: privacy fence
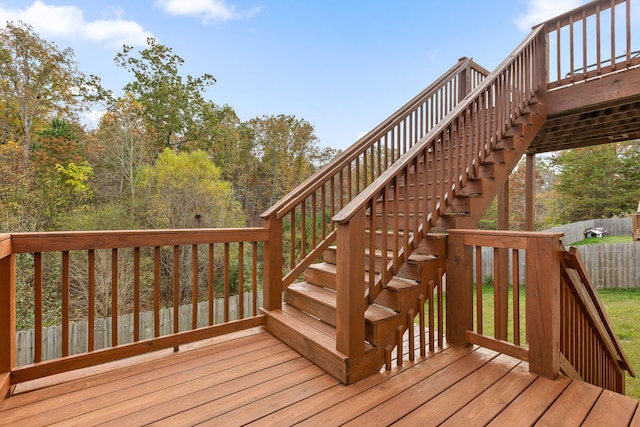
x: 78, y: 331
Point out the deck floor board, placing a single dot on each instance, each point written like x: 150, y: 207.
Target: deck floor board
x: 251, y: 378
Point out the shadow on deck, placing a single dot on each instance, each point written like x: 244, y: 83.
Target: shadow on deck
x: 251, y: 377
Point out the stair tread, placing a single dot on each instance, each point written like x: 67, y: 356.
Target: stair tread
x: 312, y: 333
x: 374, y: 314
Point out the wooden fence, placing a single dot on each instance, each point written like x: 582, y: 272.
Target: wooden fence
x: 78, y: 333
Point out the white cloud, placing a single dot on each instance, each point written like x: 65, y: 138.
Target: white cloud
x: 207, y: 10
x: 542, y: 10
x: 69, y: 22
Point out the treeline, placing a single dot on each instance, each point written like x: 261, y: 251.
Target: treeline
x: 162, y: 156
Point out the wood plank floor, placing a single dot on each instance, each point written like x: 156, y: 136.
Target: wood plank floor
x: 251, y: 378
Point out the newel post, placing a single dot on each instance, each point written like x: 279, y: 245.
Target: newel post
x: 543, y: 305
x: 7, y: 318
x: 272, y: 268
x: 350, y: 280
x: 459, y: 289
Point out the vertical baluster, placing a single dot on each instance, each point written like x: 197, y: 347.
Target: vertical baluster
x: 241, y: 280
x: 212, y: 286
x: 136, y: 294
x: 156, y: 291
x: 585, y: 64
x: 314, y: 218
x: 613, y: 35
x: 440, y: 284
x: 628, y: 31
x: 323, y: 205
x: 37, y: 289
x: 303, y: 231
x: 421, y: 320
x: 384, y: 229
x: 431, y: 287
x: 357, y: 179
x: 480, y: 322
x: 558, y: 53
x: 227, y: 287
x: 65, y: 303
x: 372, y: 247
x: 254, y: 278
x: 176, y: 291
x: 411, y: 331
x: 292, y: 237
x: 194, y: 286
x: 515, y: 282
x: 571, y: 50
x: 598, y: 62
x: 114, y: 297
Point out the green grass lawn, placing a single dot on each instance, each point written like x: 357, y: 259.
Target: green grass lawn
x: 622, y: 307
x: 602, y: 240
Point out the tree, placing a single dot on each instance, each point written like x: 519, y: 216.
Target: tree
x: 184, y: 190
x: 38, y: 82
x: 598, y: 181
x: 120, y: 147
x: 173, y: 106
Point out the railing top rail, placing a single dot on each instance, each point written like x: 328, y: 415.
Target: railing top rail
x: 588, y: 9
x: 343, y: 159
x: 5, y: 245
x: 111, y: 239
x: 358, y: 202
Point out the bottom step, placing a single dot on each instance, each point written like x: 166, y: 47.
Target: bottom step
x: 316, y: 341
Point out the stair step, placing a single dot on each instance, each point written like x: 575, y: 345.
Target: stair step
x: 320, y: 303
x: 309, y: 338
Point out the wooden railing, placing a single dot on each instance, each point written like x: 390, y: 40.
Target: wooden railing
x: 445, y: 159
x: 300, y: 224
x: 591, y: 41
x: 554, y: 319
x: 118, y: 272
x: 590, y: 350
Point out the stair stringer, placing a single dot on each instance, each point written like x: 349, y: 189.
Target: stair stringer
x: 523, y: 132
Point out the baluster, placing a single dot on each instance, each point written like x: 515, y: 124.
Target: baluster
x: 194, y: 286
x: 37, y: 289
x: 211, y: 284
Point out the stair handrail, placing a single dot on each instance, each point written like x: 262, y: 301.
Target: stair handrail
x: 300, y: 223
x: 578, y: 290
x: 494, y: 105
x: 474, y: 74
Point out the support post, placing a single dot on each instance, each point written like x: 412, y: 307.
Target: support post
x: 501, y: 269
x: 7, y: 321
x: 272, y: 275
x: 543, y: 305
x: 350, y: 279
x: 530, y: 192
x: 459, y: 289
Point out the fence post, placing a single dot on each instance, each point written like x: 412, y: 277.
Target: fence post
x: 7, y: 317
x: 459, y: 289
x: 543, y: 305
x: 272, y: 275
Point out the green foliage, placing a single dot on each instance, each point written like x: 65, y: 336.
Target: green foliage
x: 174, y: 107
x: 599, y: 181
x: 184, y: 190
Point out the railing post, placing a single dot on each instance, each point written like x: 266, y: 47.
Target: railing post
x: 541, y: 63
x: 272, y: 274
x: 543, y: 305
x: 459, y: 289
x: 350, y: 280
x: 7, y: 321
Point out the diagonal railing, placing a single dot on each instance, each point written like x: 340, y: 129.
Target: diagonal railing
x: 300, y: 224
x: 445, y: 159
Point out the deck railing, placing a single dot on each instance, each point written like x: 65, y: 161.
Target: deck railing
x: 430, y: 175
x: 300, y: 224
x: 591, y: 41
x: 554, y: 319
x: 118, y: 272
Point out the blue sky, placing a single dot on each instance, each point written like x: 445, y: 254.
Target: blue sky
x: 343, y: 66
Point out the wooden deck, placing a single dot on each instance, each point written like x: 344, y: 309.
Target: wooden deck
x: 251, y: 377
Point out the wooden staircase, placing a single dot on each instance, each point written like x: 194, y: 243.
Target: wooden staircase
x: 307, y: 319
